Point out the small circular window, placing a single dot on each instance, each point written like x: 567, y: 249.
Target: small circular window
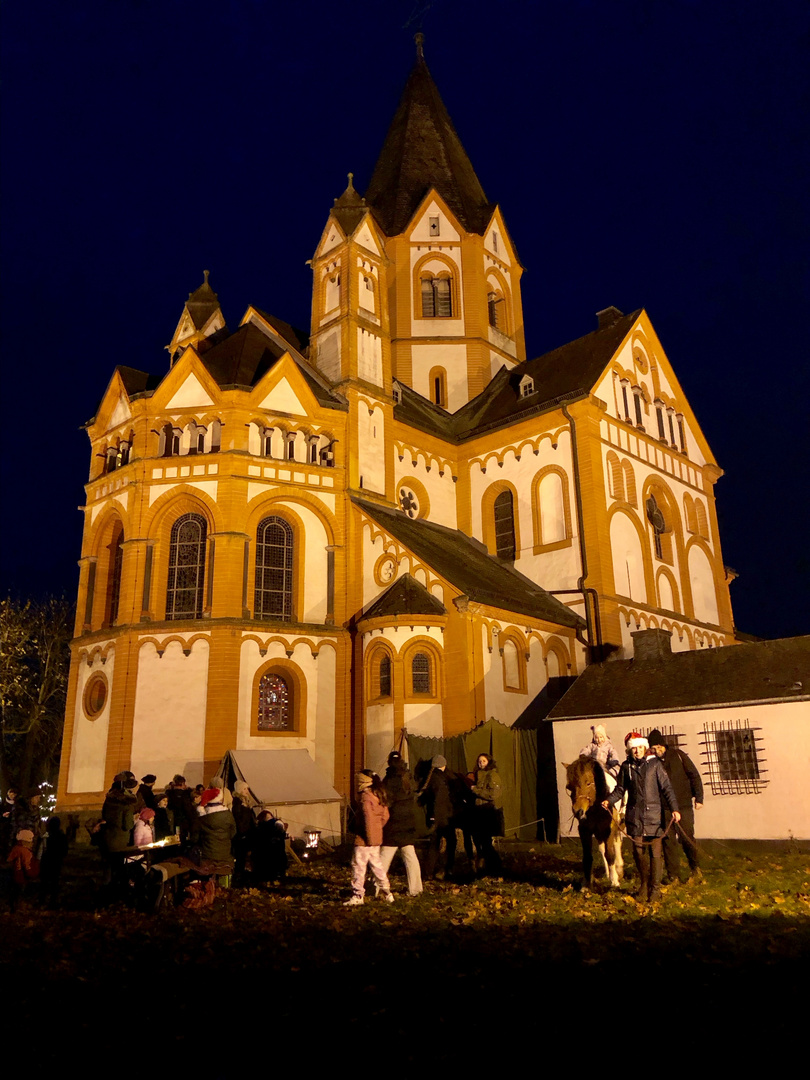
x: 95, y: 696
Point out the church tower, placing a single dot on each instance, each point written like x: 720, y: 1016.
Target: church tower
x: 453, y: 298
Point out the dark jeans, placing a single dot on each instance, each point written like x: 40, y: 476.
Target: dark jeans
x: 648, y: 857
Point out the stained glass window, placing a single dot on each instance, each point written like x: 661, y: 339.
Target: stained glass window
x: 184, y: 593
x: 275, y: 704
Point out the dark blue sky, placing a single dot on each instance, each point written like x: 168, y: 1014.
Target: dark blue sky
x: 647, y: 154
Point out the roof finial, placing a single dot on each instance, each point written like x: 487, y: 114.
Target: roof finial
x: 351, y: 181
x: 420, y: 42
x: 205, y: 275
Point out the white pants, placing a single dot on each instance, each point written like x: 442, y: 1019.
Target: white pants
x: 362, y: 859
x: 412, y: 871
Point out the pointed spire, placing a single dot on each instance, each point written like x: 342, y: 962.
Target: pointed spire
x: 422, y: 150
x: 349, y: 208
x: 202, y: 316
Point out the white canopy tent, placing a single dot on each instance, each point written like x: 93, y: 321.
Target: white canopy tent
x: 290, y: 784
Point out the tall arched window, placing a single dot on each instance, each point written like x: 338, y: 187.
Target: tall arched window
x: 385, y: 675
x: 503, y: 510
x: 114, y: 579
x: 185, y: 589
x: 274, y: 570
x: 437, y: 300
x: 420, y: 674
x: 276, y: 711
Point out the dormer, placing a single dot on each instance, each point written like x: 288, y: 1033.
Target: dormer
x: 526, y: 386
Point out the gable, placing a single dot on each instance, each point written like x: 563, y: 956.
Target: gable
x: 120, y: 413
x: 332, y: 237
x: 433, y: 222
x: 365, y: 239
x: 283, y: 398
x: 189, y: 395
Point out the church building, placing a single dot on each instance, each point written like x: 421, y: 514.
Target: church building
x: 395, y: 523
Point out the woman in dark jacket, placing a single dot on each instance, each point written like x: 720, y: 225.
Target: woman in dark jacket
x: 486, y: 813
x: 649, y: 792
x: 399, y: 832
x: 217, y: 829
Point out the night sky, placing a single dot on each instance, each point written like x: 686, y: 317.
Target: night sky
x: 644, y: 154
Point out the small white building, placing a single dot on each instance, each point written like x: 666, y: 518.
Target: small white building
x: 742, y: 714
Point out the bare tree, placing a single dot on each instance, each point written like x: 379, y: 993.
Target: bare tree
x: 34, y: 663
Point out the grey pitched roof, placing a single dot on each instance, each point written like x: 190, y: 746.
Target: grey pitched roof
x: 468, y: 566
x: 406, y: 596
x: 245, y: 356
x: 562, y: 374
x: 733, y: 674
x: 421, y: 151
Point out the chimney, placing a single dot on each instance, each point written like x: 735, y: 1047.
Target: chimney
x: 607, y: 317
x: 650, y: 645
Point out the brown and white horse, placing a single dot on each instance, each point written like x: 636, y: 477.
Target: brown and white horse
x: 585, y: 783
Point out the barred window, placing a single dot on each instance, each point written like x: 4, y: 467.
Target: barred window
x: 184, y: 593
x: 420, y: 674
x: 733, y: 758
x: 274, y: 570
x: 504, y: 526
x: 275, y: 704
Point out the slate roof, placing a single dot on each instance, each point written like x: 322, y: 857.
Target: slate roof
x: 202, y: 303
x: 467, y: 565
x: 349, y: 209
x: 421, y: 151
x: 246, y: 355
x: 731, y: 675
x: 562, y: 374
x: 406, y: 596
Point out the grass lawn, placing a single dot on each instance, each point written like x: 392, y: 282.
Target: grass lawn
x: 469, y: 968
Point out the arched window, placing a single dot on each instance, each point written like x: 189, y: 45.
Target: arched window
x: 437, y: 301
x: 385, y: 675
x: 615, y: 477
x: 514, y: 666
x: 629, y: 482
x: 661, y: 528
x: 274, y: 570
x: 276, y: 711
x: 702, y: 520
x: 114, y: 580
x: 503, y: 510
x: 551, y: 502
x: 438, y: 386
x: 420, y: 674
x: 184, y: 592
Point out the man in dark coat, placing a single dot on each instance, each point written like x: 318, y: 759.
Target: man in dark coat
x: 442, y: 812
x: 649, y: 794
x: 687, y: 785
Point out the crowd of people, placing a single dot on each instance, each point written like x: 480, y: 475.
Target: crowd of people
x: 385, y: 822
x: 215, y: 834
x: 31, y: 850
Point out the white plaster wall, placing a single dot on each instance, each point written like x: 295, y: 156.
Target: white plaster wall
x: 628, y: 563
x: 441, y: 489
x: 88, y: 753
x: 451, y: 357
x: 315, y: 561
x: 780, y: 811
x: 447, y: 230
x: 328, y: 357
x: 371, y: 444
x: 379, y: 736
x: 369, y: 356
x: 704, y: 594
x: 318, y: 735
x: 168, y: 734
x: 424, y: 720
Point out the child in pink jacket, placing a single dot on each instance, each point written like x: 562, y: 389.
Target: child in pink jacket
x: 371, y: 817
